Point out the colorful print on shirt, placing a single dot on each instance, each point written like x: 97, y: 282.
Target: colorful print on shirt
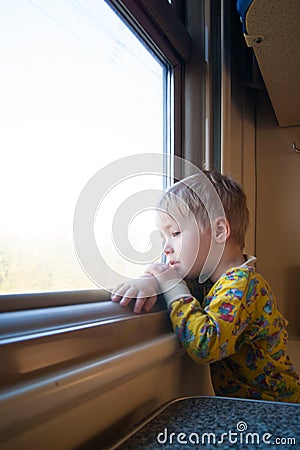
x: 239, y: 330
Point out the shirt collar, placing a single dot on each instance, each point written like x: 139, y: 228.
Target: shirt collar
x: 249, y: 261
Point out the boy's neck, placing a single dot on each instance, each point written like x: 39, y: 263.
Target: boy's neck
x: 232, y: 257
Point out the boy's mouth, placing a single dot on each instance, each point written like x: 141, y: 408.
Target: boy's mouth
x: 172, y: 263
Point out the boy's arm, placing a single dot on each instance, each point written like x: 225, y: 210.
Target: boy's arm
x: 171, y: 284
x: 158, y: 278
x: 214, y: 332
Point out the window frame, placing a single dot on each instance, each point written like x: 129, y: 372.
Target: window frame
x: 57, y: 339
x: 149, y: 21
x: 158, y: 24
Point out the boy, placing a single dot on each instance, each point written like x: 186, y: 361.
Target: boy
x: 237, y: 328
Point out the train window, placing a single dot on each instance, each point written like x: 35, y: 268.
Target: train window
x: 79, y: 90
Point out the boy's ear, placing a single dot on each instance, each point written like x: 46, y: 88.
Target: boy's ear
x: 221, y: 230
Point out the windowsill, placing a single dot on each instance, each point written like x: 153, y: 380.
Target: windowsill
x: 12, y: 302
x: 56, y: 356
x: 39, y: 340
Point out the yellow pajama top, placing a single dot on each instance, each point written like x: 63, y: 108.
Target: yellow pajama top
x: 239, y: 330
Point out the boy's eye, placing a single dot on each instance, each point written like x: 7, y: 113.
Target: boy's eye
x: 175, y: 233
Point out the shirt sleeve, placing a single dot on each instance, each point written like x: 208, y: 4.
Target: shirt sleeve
x: 213, y: 332
x: 173, y: 290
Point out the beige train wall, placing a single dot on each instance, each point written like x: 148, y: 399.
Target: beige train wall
x: 278, y: 214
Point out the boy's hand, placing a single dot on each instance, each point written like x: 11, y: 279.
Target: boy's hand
x: 143, y: 289
x: 163, y: 272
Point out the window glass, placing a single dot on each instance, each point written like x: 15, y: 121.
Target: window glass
x: 78, y: 90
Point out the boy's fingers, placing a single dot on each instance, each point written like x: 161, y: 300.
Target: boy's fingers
x: 117, y: 292
x: 124, y: 295
x: 150, y: 302
x: 115, y: 297
x: 127, y: 296
x: 139, y: 303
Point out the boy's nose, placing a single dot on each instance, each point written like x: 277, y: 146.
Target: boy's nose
x: 168, y: 249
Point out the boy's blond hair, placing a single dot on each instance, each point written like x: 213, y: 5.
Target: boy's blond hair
x: 192, y: 196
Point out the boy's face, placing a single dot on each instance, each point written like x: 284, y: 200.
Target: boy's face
x: 186, y: 246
